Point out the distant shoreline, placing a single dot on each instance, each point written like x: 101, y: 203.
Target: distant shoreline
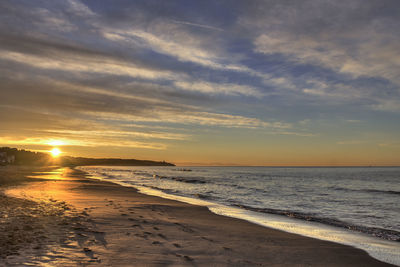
x: 21, y: 157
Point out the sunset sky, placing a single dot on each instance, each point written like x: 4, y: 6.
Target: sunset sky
x: 203, y: 82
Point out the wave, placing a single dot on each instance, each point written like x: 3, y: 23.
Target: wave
x: 183, y: 170
x: 392, y: 192
x: 390, y: 235
x: 181, y: 179
x: 382, y: 191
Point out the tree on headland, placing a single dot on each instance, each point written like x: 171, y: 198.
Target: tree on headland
x: 25, y: 157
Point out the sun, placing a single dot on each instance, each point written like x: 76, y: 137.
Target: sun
x: 55, y: 152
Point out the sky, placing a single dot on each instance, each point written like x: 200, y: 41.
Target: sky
x: 211, y: 82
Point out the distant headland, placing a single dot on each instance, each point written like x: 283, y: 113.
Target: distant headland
x: 14, y: 156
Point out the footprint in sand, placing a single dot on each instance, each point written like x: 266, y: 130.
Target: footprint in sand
x: 208, y: 239
x: 185, y: 257
x: 142, y: 236
x: 188, y: 258
x: 184, y: 228
x: 100, y: 237
x: 162, y: 236
x: 137, y: 225
x: 88, y: 252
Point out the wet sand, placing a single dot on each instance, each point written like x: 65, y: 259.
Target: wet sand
x: 80, y: 221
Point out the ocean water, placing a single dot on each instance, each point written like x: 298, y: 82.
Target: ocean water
x: 358, y: 206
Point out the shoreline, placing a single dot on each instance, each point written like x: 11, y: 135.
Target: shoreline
x: 124, y: 226
x: 377, y: 247
x: 311, y: 229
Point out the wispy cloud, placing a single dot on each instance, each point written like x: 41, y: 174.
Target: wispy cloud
x: 219, y: 88
x: 183, y: 46
x: 392, y: 105
x: 52, y: 21
x: 88, y: 65
x: 120, y: 134
x: 370, y: 59
x: 193, y: 117
x: 350, y: 142
x: 80, y: 9
x: 88, y: 143
x: 197, y: 25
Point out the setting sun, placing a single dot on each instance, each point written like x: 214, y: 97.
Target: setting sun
x: 55, y: 152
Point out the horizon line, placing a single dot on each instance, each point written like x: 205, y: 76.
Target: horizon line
x: 296, y: 166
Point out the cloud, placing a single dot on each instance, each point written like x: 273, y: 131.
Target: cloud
x: 197, y: 25
x: 351, y: 37
x: 78, y: 8
x: 301, y: 134
x: 103, y: 142
x: 350, y: 142
x: 176, y: 116
x: 177, y: 43
x: 52, y: 21
x: 81, y: 100
x: 218, y: 88
x: 88, y: 64
x: 392, y: 105
x: 120, y: 134
x: 279, y: 82
x: 372, y: 58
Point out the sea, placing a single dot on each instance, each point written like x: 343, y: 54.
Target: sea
x: 356, y: 206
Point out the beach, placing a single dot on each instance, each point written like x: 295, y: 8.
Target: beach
x: 60, y: 217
